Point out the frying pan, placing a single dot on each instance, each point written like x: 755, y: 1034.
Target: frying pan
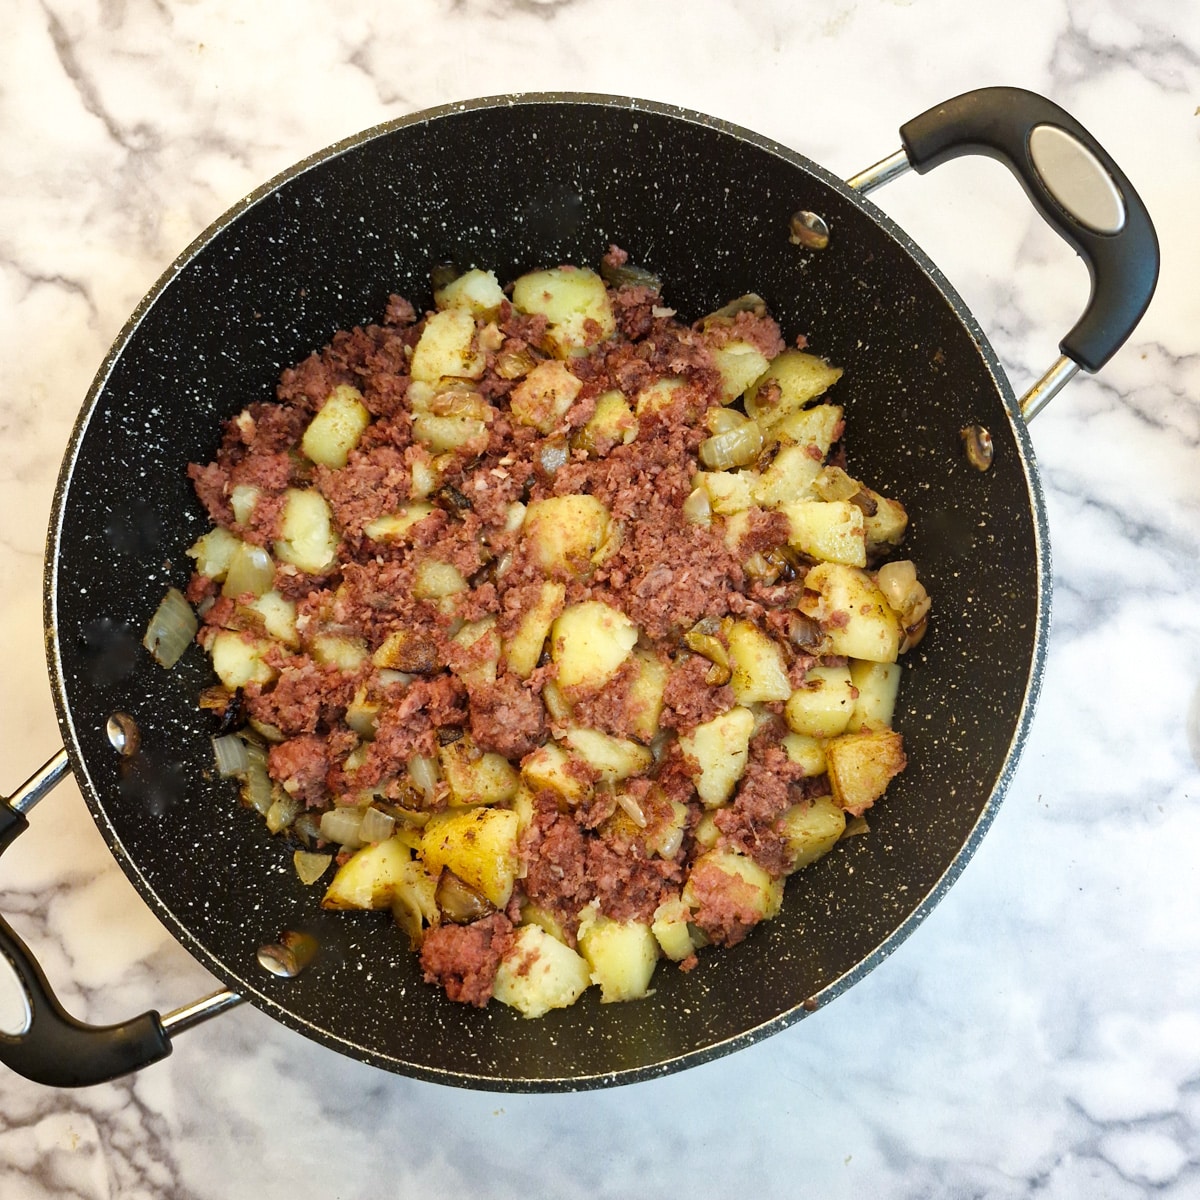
x: 515, y: 183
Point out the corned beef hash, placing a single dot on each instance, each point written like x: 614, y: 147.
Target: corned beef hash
x: 556, y: 625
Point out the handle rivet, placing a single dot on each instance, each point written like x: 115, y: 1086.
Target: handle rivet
x: 978, y: 444
x: 289, y: 956
x: 809, y: 230
x: 123, y: 734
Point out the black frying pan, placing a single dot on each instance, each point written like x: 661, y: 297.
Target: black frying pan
x: 516, y: 183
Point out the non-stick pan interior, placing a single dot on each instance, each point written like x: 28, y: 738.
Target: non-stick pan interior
x: 514, y: 185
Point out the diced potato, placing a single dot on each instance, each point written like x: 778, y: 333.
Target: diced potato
x: 436, y: 580
x: 524, y: 648
x: 475, y: 776
x: 621, y: 954
x: 478, y: 292
x: 556, y: 704
x: 740, y: 365
x: 213, y: 551
x: 535, y: 914
x: 728, y: 491
x: 396, y: 526
x: 886, y: 526
x: 522, y: 805
x: 739, y: 878
x: 369, y: 877
x: 362, y: 713
x: 644, y: 702
x: 336, y: 428
x: 551, y: 766
x: 811, y: 829
x: 615, y: 758
x: 543, y: 397
x: 475, y: 652
x: 447, y: 348
x: 800, y: 377
x: 589, y: 642
x: 878, y: 685
x: 575, y: 302
x: 334, y: 650
x: 414, y: 899
x: 861, y: 765
x: 238, y: 660
x: 759, y: 670
x: 659, y: 395
x: 453, y: 432
x: 479, y: 845
x: 671, y: 930
x: 807, y: 752
x: 707, y: 833
x: 567, y: 534
x: 852, y: 612
x: 813, y: 429
x: 833, y: 530
x: 408, y: 650
x: 242, y: 500
x: 720, y: 749
x: 788, y: 479
x: 307, y: 539
x: 823, y: 704
x: 540, y: 973
x: 612, y: 424
x: 278, y: 615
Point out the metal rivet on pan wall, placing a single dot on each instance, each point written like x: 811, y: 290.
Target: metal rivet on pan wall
x: 123, y: 734
x: 289, y: 956
x: 808, y: 229
x: 978, y: 444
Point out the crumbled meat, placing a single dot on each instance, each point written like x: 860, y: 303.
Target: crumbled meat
x: 464, y: 958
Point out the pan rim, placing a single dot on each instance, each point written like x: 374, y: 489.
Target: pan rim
x: 463, y: 1078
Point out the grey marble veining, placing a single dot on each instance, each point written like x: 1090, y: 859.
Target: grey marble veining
x: 1039, y: 1034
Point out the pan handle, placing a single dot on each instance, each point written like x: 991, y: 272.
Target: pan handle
x: 1074, y: 184
x: 54, y: 1048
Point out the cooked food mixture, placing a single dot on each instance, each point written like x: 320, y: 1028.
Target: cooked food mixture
x: 554, y: 625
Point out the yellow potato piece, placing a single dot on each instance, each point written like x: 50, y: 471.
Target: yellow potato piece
x: 479, y: 845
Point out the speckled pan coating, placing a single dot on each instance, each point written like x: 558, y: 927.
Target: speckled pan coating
x: 516, y: 183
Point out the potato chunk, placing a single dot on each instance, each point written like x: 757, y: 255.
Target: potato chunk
x: 307, y: 539
x: 878, y: 685
x: 575, y: 302
x: 811, y: 829
x: 861, y: 765
x: 832, y: 530
x: 551, y: 766
x: 799, y: 377
x: 397, y: 526
x: 238, y: 660
x: 543, y: 397
x: 823, y: 704
x: 589, y: 642
x: 336, y: 428
x: 737, y: 877
x: 479, y: 845
x: 567, y: 534
x: 540, y: 973
x: 476, y: 776
x: 524, y: 648
x: 368, y: 879
x: 759, y: 671
x: 613, y: 757
x: 740, y: 365
x: 621, y: 954
x: 720, y: 749
x: 478, y: 292
x: 852, y: 611
x: 447, y: 348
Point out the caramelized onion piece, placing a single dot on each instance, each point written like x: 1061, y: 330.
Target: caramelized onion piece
x: 458, y: 901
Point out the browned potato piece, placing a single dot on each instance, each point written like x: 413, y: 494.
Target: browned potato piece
x: 861, y: 765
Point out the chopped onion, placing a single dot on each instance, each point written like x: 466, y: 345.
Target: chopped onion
x: 697, y: 508
x: 376, y: 826
x: 736, y: 447
x: 632, y: 808
x: 722, y: 420
x: 423, y: 771
x: 554, y: 455
x: 171, y: 629
x: 282, y: 812
x: 342, y: 825
x: 257, y: 791
x: 231, y: 754
x: 670, y: 842
x: 310, y: 867
x: 251, y: 570
x: 896, y: 581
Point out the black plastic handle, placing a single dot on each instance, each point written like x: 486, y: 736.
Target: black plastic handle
x: 1055, y: 158
x: 56, y: 1049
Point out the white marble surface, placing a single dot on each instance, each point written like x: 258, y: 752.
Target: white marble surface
x: 1039, y: 1035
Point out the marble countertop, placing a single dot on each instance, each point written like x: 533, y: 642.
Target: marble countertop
x: 1039, y: 1034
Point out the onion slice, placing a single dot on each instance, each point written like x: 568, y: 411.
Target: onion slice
x: 232, y: 755
x: 171, y: 629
